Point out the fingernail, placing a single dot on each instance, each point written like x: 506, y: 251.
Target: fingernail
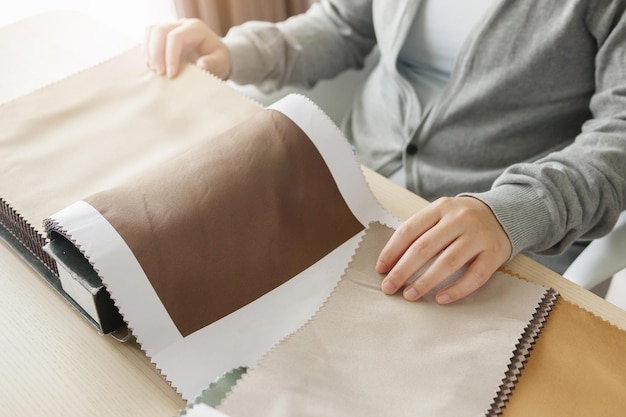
x: 381, y: 267
x: 388, y: 287
x: 411, y: 294
x: 443, y: 298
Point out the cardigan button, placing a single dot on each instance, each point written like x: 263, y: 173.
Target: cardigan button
x: 411, y: 149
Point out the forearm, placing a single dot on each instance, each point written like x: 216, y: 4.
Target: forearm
x: 576, y: 193
x: 319, y: 44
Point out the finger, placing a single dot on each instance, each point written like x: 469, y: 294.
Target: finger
x: 403, y: 238
x: 156, y: 46
x: 173, y: 51
x: 449, y: 261
x: 146, y: 42
x: 476, y: 275
x: 418, y: 254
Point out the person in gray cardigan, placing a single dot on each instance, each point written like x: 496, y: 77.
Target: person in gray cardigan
x: 520, y: 146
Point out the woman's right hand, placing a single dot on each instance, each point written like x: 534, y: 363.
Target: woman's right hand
x: 187, y: 39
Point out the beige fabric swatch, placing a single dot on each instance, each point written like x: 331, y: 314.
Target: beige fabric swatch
x: 576, y: 368
x: 368, y: 354
x: 102, y: 126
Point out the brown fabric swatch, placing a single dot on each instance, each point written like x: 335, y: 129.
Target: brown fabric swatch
x: 576, y: 368
x: 230, y: 219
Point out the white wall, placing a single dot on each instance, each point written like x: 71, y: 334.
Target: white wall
x: 130, y: 17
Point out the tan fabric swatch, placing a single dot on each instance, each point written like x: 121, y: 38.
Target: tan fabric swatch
x: 102, y: 126
x: 576, y: 368
x: 231, y: 218
x: 368, y: 354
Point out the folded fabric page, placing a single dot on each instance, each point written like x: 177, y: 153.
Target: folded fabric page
x: 368, y: 354
x: 230, y: 219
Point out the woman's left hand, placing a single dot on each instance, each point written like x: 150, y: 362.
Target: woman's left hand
x: 453, y: 232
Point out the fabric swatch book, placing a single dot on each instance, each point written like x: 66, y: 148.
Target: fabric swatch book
x: 228, y: 236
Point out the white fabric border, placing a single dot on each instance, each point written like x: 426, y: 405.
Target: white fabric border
x: 203, y: 410
x: 337, y: 154
x: 121, y: 273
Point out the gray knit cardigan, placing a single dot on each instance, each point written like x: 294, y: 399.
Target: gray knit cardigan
x: 532, y: 121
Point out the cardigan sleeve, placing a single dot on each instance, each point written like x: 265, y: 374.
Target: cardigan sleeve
x: 579, y: 191
x: 330, y: 37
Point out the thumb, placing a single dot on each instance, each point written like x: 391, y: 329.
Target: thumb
x: 216, y: 64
